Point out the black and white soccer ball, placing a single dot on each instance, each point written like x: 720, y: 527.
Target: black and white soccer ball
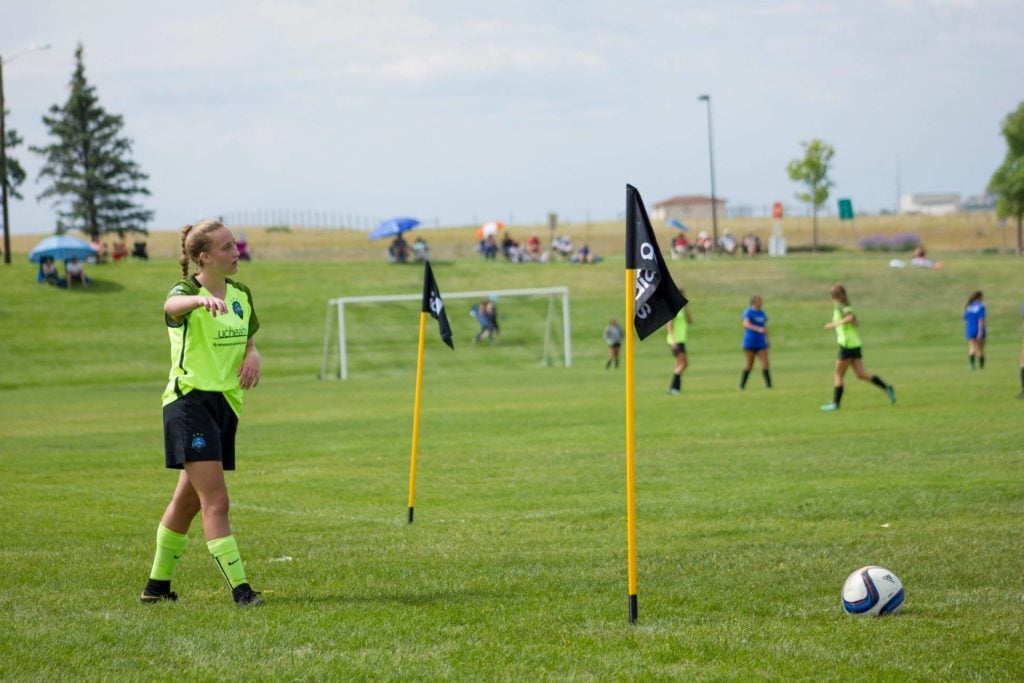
x: 872, y: 591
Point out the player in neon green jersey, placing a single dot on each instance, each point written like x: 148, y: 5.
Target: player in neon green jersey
x: 844, y: 322
x: 211, y: 321
x: 677, y: 329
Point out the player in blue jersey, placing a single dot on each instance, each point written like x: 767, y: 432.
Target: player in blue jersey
x: 755, y: 341
x: 975, y: 329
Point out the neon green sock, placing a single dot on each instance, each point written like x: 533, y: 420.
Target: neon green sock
x: 169, y: 546
x: 225, y: 554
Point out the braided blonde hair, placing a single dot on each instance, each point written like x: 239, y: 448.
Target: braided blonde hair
x: 195, y: 239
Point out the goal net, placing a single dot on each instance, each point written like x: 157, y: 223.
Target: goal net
x: 370, y: 332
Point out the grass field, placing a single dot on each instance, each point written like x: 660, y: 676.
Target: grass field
x: 752, y: 506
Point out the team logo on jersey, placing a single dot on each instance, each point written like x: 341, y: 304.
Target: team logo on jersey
x: 198, y: 442
x: 237, y: 308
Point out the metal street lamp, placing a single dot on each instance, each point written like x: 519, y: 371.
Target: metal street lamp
x: 3, y: 148
x: 711, y: 157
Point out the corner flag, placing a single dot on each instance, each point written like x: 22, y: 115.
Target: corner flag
x: 433, y: 305
x: 656, y: 299
x: 651, y: 299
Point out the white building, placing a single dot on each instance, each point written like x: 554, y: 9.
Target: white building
x: 932, y: 204
x: 688, y: 206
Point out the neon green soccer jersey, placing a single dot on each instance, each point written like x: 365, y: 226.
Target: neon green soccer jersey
x: 679, y: 328
x: 845, y: 334
x: 206, y: 351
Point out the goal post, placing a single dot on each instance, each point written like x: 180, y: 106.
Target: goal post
x: 334, y: 323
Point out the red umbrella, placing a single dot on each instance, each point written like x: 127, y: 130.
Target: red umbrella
x: 489, y: 228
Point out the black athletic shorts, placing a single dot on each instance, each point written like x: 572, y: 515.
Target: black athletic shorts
x: 848, y: 354
x: 677, y: 348
x: 199, y: 426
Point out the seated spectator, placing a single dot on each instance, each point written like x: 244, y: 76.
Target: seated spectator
x: 398, y: 251
x: 751, y: 244
x: 510, y: 248
x: 727, y: 243
x: 139, y: 251
x: 120, y: 250
x: 420, y: 250
x: 583, y: 255
x: 533, y: 250
x: 489, y: 247
x: 102, y: 252
x: 562, y: 247
x: 680, y: 246
x: 243, y: 248
x: 75, y: 272
x: 48, y: 273
x: 920, y: 260
x: 703, y: 244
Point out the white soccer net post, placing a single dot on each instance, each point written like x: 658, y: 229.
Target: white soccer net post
x: 338, y: 305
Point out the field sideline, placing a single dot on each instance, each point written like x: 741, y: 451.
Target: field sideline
x: 752, y: 506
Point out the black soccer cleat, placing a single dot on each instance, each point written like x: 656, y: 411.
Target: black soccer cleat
x: 245, y: 596
x: 149, y: 598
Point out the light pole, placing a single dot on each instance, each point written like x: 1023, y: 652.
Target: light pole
x: 3, y: 149
x: 711, y: 157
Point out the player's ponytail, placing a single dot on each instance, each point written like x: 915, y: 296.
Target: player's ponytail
x: 974, y: 297
x: 184, y: 259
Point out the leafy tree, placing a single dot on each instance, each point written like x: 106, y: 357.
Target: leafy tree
x: 812, y: 170
x: 92, y: 178
x: 1008, y: 181
x: 15, y: 173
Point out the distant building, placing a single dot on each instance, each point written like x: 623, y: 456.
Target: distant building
x: 980, y: 202
x: 686, y: 206
x: 934, y: 204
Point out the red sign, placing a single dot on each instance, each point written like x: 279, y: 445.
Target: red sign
x: 777, y: 210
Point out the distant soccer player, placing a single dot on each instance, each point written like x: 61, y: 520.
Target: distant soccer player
x: 613, y: 338
x: 755, y: 341
x: 677, y: 330
x: 844, y: 322
x: 211, y: 322
x: 975, y: 329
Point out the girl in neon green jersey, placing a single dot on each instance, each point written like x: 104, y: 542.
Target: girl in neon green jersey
x: 211, y: 321
x: 844, y: 322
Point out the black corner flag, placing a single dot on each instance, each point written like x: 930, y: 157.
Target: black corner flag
x: 433, y: 305
x: 656, y: 299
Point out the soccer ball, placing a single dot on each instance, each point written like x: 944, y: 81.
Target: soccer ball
x: 871, y: 592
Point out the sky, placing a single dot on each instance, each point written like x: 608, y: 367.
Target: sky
x: 462, y: 111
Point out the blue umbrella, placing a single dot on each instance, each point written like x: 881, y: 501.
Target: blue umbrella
x: 392, y: 227
x: 61, y: 248
x: 676, y: 223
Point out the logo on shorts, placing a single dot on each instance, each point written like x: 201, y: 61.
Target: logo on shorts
x: 237, y: 308
x: 198, y: 442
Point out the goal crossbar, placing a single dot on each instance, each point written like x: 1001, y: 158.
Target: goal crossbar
x: 340, y: 302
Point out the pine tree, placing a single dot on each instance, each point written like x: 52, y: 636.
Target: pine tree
x: 93, y: 180
x: 15, y: 173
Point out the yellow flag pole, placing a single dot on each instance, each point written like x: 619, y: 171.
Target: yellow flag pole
x: 630, y: 447
x: 416, y: 413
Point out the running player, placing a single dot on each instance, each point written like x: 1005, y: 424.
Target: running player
x: 975, y: 329
x: 755, y: 341
x: 677, y: 329
x: 844, y: 322
x: 211, y: 322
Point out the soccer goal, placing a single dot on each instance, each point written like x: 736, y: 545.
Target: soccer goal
x: 338, y: 327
